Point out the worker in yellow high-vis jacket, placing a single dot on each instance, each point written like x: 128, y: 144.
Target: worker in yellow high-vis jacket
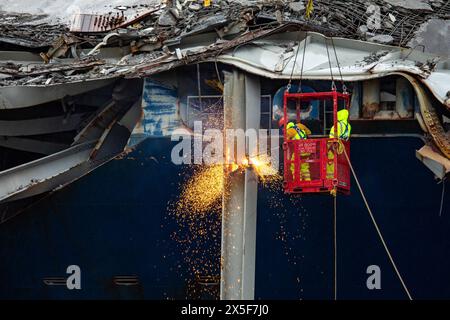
x: 343, y: 132
x: 299, y: 132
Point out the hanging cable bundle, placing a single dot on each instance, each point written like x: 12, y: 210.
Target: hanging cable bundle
x: 295, y: 62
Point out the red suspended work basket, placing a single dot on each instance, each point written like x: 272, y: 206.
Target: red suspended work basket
x: 316, y: 165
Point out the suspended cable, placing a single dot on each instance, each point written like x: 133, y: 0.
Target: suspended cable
x: 442, y: 197
x: 376, y: 226
x: 295, y: 61
x: 199, y: 87
x: 344, y: 87
x: 335, y: 246
x: 303, y: 62
x: 217, y: 69
x: 333, y: 85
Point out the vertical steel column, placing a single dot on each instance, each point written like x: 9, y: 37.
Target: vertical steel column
x: 241, y: 111
x: 253, y: 119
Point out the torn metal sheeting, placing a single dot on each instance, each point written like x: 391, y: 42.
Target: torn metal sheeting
x: 28, y: 30
x: 46, y: 69
x: 105, y: 117
x: 430, y: 117
x: 271, y: 59
x: 271, y: 54
x: 258, y: 37
x: 438, y: 164
x: 12, y: 97
x: 399, y: 20
x: 17, y: 180
x: 101, y: 23
x: 97, y: 123
x: 60, y: 169
x: 39, y: 126
x: 116, y: 136
x: 232, y: 22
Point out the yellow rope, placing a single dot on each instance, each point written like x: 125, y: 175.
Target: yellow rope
x: 376, y: 226
x: 335, y: 247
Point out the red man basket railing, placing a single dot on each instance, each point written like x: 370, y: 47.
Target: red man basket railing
x: 316, y: 165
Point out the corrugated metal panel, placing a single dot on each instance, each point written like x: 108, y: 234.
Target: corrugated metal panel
x: 85, y: 22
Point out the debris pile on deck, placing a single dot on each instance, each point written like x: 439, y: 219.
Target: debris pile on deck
x: 161, y: 30
x: 56, y: 63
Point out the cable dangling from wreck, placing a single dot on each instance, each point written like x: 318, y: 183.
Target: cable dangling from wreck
x: 335, y: 245
x: 333, y: 84
x: 299, y: 89
x: 344, y: 87
x: 288, y: 87
x: 441, y: 208
x: 376, y: 227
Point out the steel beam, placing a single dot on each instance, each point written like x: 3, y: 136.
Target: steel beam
x: 253, y: 119
x: 241, y: 111
x: 14, y: 97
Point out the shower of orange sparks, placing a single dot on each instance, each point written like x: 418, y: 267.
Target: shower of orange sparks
x: 204, y: 189
x: 268, y: 175
x: 198, y: 209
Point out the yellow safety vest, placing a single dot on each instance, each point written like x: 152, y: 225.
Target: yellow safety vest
x: 344, y: 130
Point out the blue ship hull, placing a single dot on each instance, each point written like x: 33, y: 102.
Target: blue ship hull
x: 115, y: 222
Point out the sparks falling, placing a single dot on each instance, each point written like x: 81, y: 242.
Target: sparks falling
x: 203, y: 191
x: 268, y: 175
x: 197, y: 212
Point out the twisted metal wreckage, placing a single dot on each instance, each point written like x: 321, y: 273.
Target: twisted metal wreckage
x: 71, y: 97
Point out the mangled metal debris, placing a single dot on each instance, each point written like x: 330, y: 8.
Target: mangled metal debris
x: 103, y: 23
x: 438, y: 164
x: 162, y: 30
x: 73, y: 144
x: 20, y: 94
x: 260, y: 37
x: 24, y: 30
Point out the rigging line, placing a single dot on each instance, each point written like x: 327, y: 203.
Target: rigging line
x: 376, y: 226
x: 335, y: 245
x: 299, y: 89
x: 442, y: 8
x: 199, y: 87
x: 329, y: 63
x: 218, y: 73
x: 338, y: 64
x: 295, y: 60
x: 442, y: 197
